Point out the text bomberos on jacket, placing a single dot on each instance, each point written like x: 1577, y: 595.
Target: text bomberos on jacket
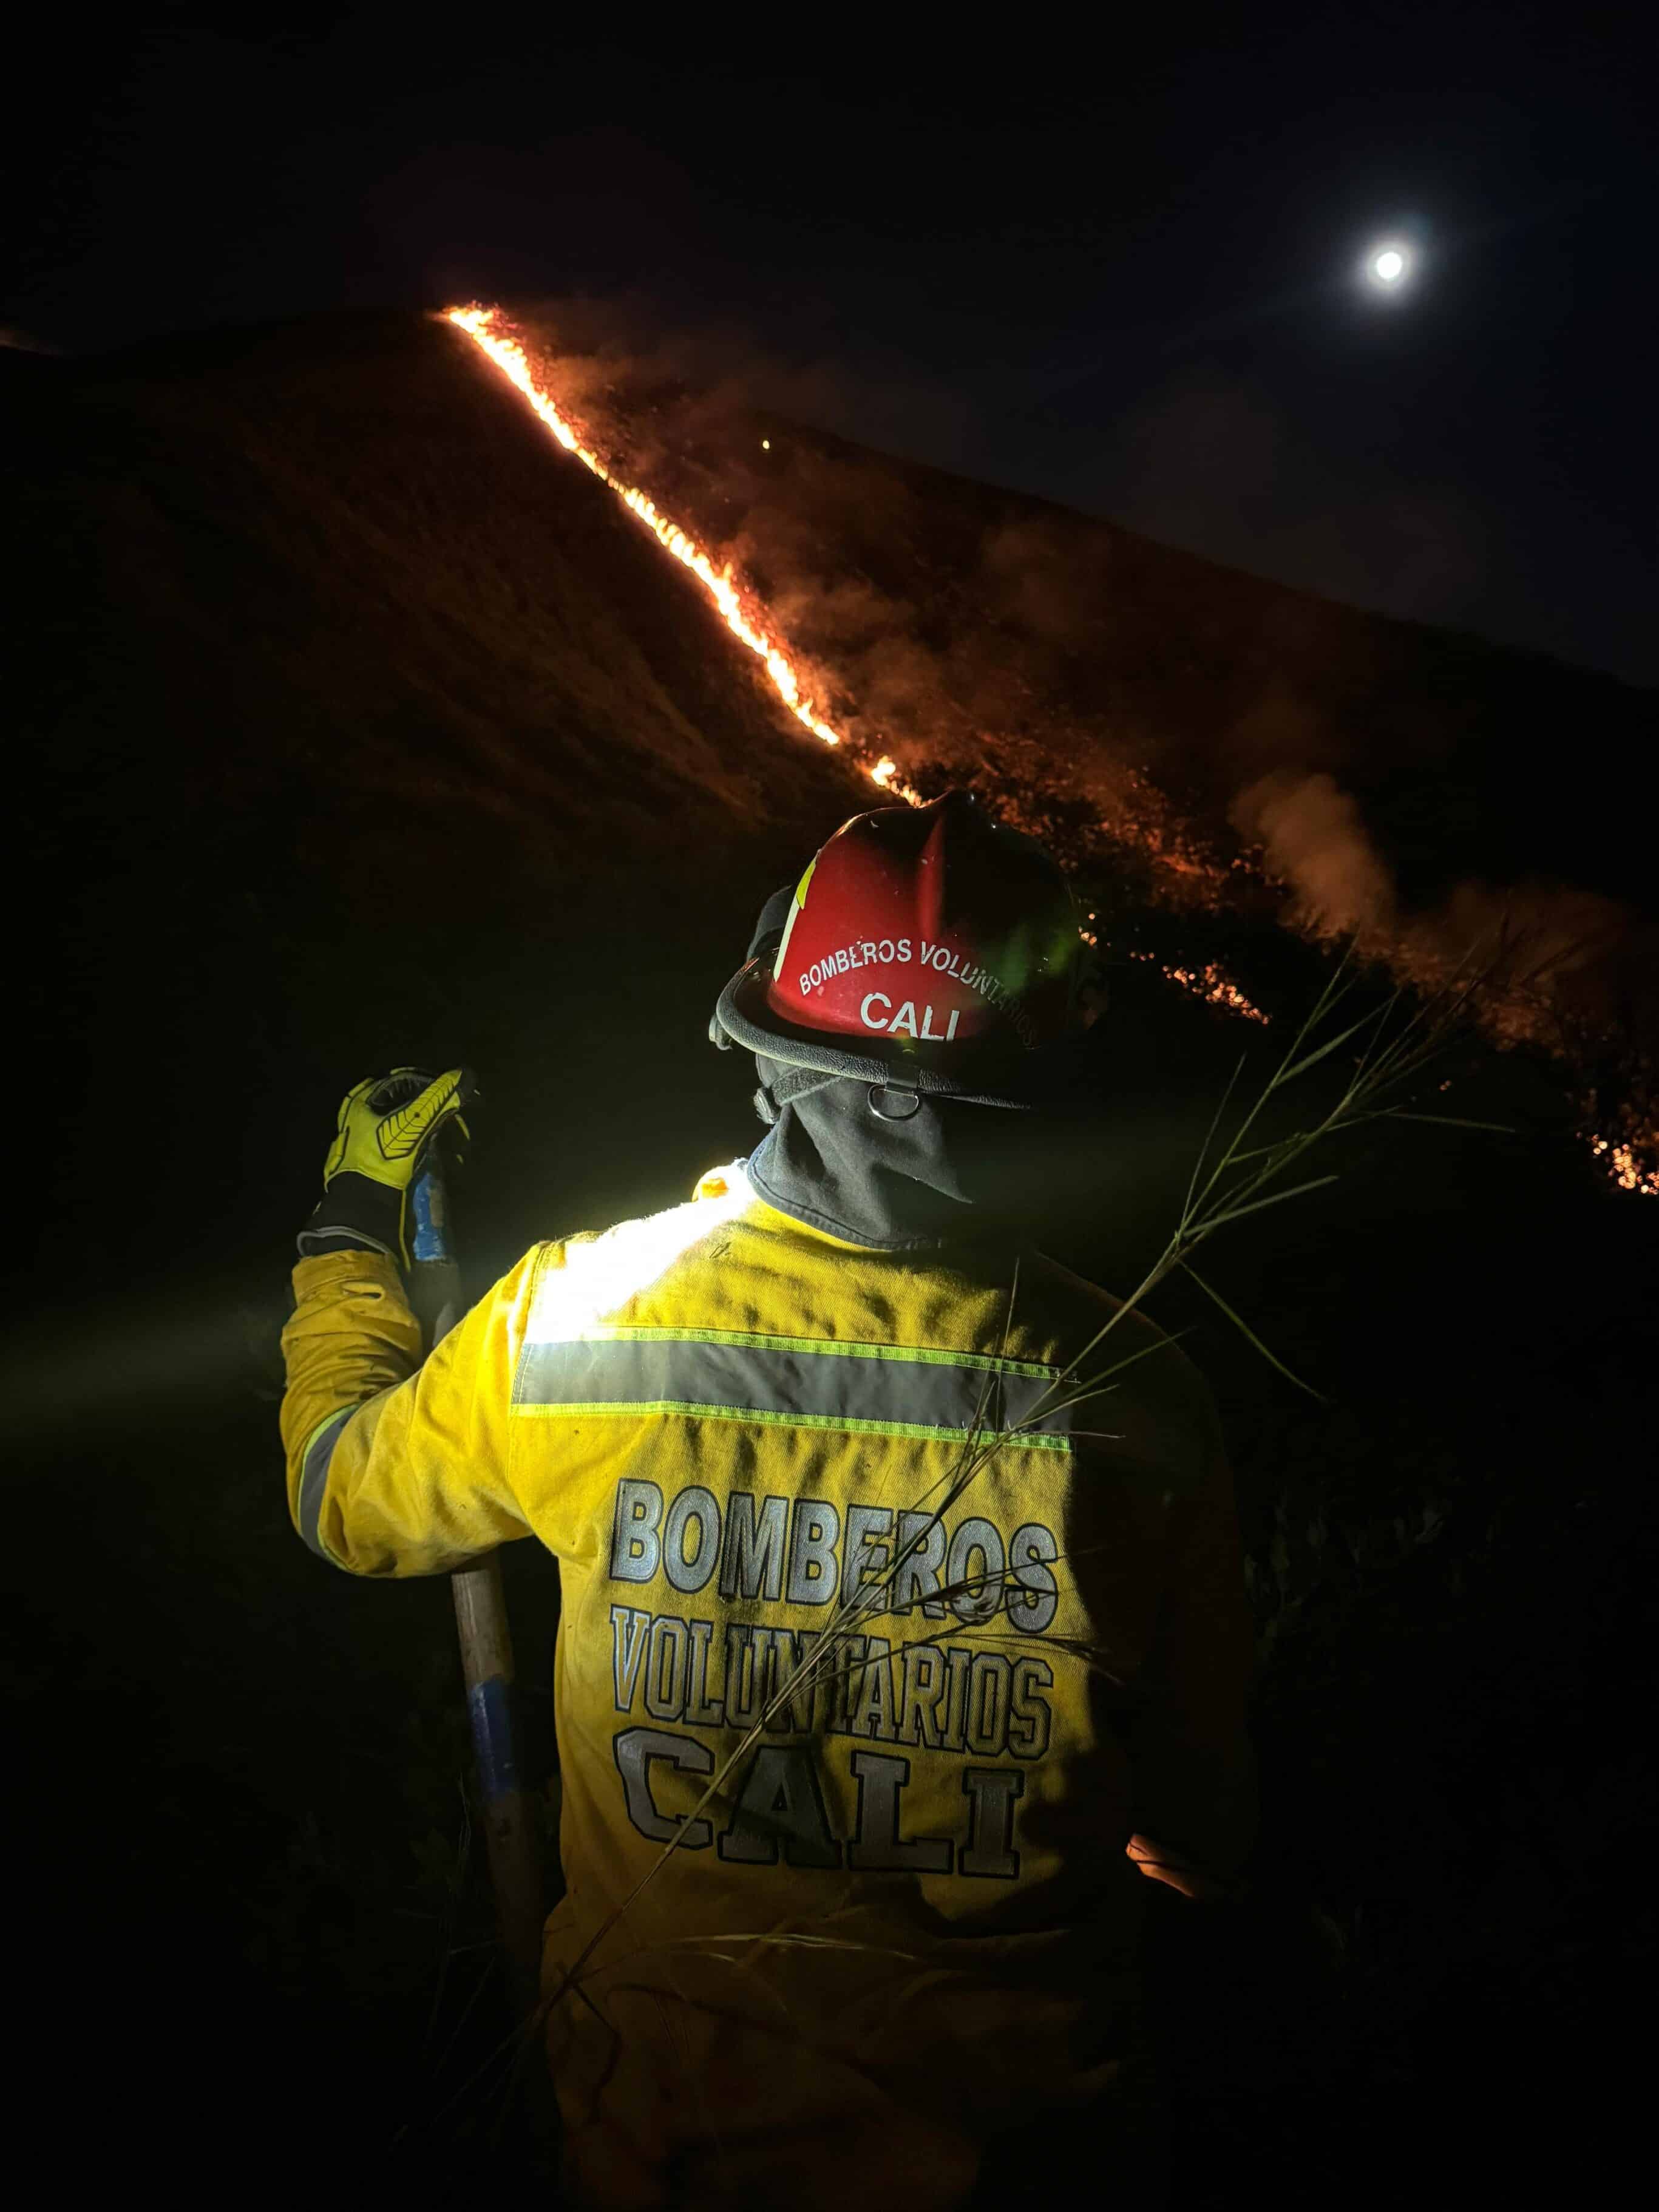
x: 916, y: 1688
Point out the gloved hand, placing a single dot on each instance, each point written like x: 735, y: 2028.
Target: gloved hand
x: 387, y: 1128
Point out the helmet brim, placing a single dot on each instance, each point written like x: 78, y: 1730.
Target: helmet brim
x: 748, y: 1019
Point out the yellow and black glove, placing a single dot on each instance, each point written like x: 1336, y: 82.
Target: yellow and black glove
x: 388, y: 1127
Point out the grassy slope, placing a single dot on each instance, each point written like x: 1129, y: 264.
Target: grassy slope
x: 948, y: 611
x: 336, y: 693
x: 351, y: 733
x: 357, y: 726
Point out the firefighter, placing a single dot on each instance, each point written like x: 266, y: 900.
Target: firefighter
x: 887, y: 1664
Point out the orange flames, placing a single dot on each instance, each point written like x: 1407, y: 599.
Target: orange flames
x: 488, y: 330
x: 1626, y: 1171
x: 1210, y: 984
x: 483, y: 326
x: 885, y: 773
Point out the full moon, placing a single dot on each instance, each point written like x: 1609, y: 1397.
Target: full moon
x: 1388, y: 267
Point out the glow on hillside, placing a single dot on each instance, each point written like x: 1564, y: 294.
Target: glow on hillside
x: 1626, y: 1171
x: 885, y: 773
x: 483, y: 325
x: 1209, y: 983
x: 740, y: 612
x: 1392, y: 265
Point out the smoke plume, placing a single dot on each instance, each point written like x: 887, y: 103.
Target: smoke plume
x: 1314, y: 840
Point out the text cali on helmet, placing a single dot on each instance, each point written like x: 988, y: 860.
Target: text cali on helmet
x: 928, y: 952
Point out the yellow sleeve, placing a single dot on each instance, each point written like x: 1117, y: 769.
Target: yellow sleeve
x: 397, y: 1465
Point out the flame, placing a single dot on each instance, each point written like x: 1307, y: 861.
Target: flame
x: 483, y: 326
x: 1625, y: 1168
x: 1209, y: 983
x: 885, y: 774
x: 1193, y: 875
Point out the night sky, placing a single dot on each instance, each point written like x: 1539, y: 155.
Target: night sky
x: 1115, y: 267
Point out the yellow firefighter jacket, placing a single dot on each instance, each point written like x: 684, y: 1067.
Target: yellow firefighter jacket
x: 902, y: 1918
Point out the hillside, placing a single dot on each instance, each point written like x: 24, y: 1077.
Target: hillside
x: 1193, y: 740
x: 353, y: 723
x: 314, y: 651
x: 950, y: 619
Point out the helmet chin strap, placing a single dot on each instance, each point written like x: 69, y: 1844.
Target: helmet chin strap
x: 887, y: 1102
x: 891, y: 1102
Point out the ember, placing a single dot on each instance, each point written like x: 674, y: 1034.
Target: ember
x: 1625, y: 1168
x: 1208, y: 983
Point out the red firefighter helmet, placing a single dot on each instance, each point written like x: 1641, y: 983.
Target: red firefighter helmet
x: 925, y: 946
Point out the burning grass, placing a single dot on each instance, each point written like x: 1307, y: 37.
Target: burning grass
x: 1102, y: 809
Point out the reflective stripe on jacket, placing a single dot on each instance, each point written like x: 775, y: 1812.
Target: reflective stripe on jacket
x: 909, y: 1896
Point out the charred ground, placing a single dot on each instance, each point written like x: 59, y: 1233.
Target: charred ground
x: 354, y: 725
